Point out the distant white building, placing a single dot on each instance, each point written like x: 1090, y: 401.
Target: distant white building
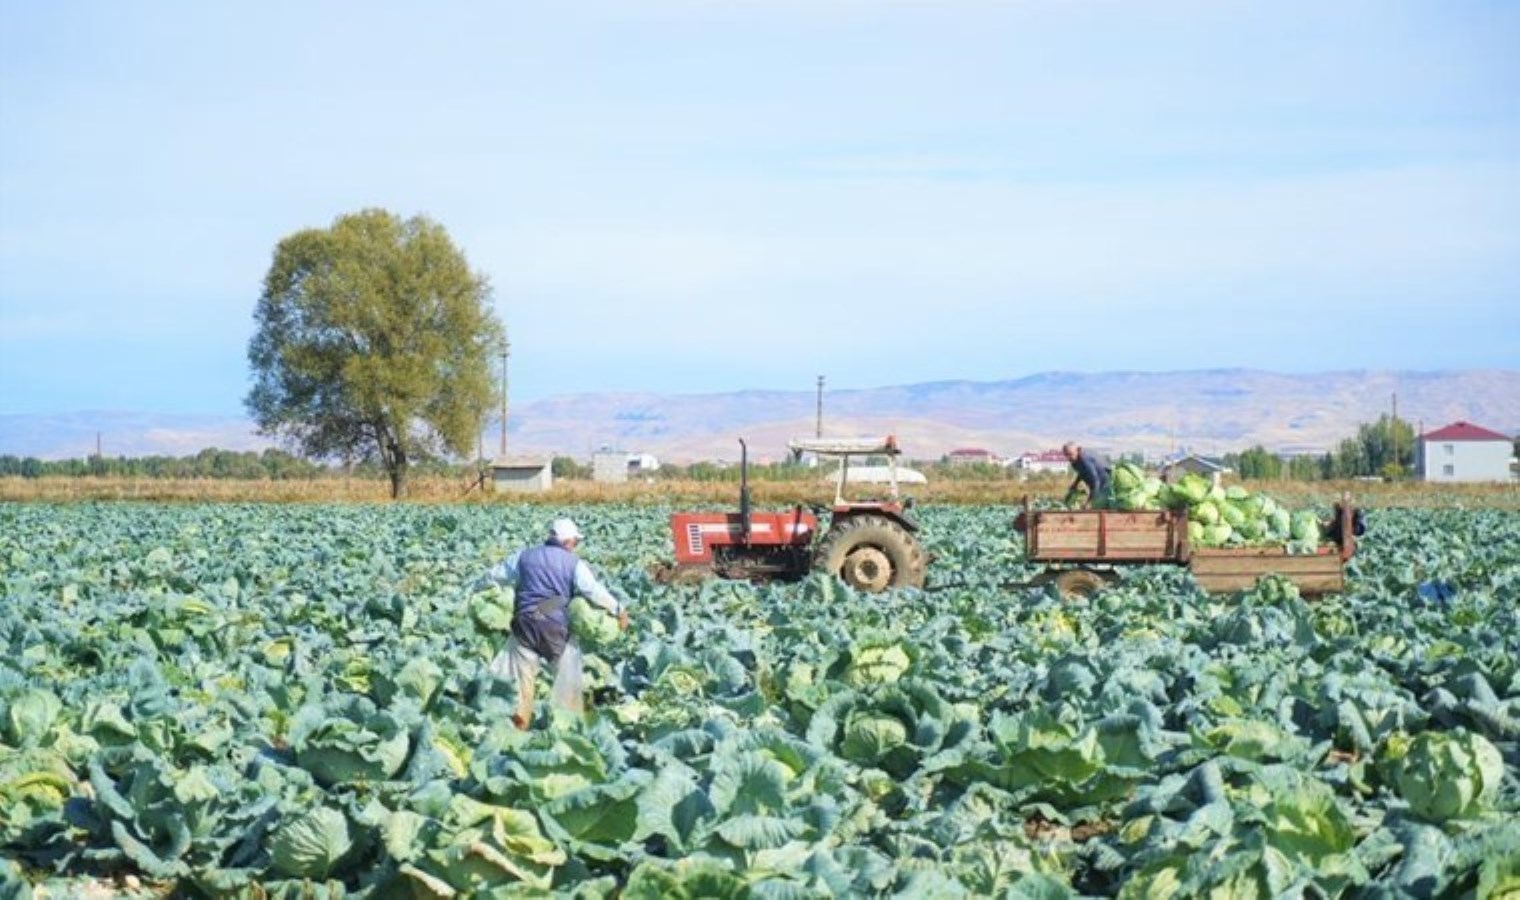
x: 1462, y: 451
x: 609, y: 466
x: 970, y: 456
x: 1044, y: 461
x: 642, y: 464
x: 521, y: 474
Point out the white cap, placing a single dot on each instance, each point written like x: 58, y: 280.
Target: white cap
x: 563, y: 530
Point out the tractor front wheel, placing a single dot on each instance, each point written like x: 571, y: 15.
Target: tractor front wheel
x: 872, y: 553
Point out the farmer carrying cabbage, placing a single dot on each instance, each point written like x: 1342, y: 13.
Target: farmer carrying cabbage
x: 545, y: 577
x: 1092, y: 471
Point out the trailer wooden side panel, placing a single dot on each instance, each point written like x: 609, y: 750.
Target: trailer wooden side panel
x: 1237, y: 569
x: 1103, y: 536
x: 1073, y: 539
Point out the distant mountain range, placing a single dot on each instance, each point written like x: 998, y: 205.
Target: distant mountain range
x: 74, y: 434
x: 1210, y: 411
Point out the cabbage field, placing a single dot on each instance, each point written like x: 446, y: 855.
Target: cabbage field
x: 295, y: 701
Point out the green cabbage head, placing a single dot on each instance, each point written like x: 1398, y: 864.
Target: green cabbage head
x: 1205, y: 512
x: 1217, y: 535
x: 593, y: 626
x: 877, y: 663
x: 1128, y: 478
x: 1306, y: 527
x: 30, y: 716
x: 869, y: 735
x: 1445, y: 775
x: 1191, y: 488
x: 310, y: 845
x: 339, y: 749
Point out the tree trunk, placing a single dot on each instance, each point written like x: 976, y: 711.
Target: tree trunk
x: 392, y: 457
x: 398, y: 474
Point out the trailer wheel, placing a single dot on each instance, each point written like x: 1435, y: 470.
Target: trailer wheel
x: 872, y: 553
x: 1079, y: 584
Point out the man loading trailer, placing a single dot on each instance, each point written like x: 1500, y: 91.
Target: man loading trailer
x: 1092, y: 472
x: 546, y: 576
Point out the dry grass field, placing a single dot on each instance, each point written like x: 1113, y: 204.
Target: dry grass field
x: 717, y: 495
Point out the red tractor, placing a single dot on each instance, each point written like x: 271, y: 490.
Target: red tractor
x: 870, y: 545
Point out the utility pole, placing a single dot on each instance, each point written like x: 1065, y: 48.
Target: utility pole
x: 818, y: 429
x: 1416, y: 469
x: 506, y: 350
x: 1393, y: 430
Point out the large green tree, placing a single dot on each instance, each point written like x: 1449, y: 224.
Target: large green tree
x: 1384, y: 448
x: 1259, y: 463
x: 1390, y: 446
x: 374, y: 342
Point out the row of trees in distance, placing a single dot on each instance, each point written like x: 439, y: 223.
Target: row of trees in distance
x: 272, y: 464
x: 1384, y: 448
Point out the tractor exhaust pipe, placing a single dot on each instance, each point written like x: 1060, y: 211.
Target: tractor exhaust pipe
x: 743, y: 491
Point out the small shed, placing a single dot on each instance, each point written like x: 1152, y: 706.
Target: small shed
x: 1463, y: 451
x: 1171, y: 470
x: 521, y: 474
x: 609, y: 466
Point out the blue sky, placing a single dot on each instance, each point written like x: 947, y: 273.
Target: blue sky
x: 694, y: 196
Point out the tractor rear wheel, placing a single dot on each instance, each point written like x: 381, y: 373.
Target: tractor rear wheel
x: 872, y: 553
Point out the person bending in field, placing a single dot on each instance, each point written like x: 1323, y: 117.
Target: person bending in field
x: 546, y: 576
x: 1092, y: 472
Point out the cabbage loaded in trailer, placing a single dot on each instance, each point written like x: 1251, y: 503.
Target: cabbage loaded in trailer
x: 1229, y: 538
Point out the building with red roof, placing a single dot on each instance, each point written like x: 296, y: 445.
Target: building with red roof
x: 1463, y: 451
x: 966, y: 456
x: 1044, y: 461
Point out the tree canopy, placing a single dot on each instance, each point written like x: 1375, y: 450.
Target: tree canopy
x: 374, y: 341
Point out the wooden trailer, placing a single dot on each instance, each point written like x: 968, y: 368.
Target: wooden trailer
x: 1081, y: 549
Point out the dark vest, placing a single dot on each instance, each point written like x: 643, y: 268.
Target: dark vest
x: 544, y: 572
x: 1093, y: 470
